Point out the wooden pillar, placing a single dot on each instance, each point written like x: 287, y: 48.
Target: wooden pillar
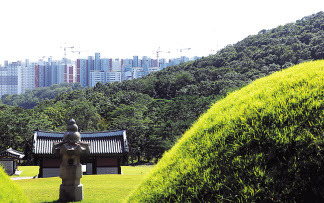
x: 94, y: 165
x: 119, y: 165
x: 13, y: 166
x: 40, y: 173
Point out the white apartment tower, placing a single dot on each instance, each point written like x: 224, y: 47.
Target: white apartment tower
x: 26, y: 78
x: 97, y: 76
x: 8, y: 80
x: 113, y: 77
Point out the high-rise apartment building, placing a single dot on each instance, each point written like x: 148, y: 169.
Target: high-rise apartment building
x: 184, y: 59
x: 26, y: 78
x: 54, y: 72
x: 70, y: 73
x: 16, y: 78
x: 44, y: 77
x: 36, y: 76
x: 137, y: 72
x: 40, y: 78
x: 8, y: 80
x: 126, y: 72
x: 116, y: 65
x: 162, y: 63
x: 82, y: 72
x: 47, y: 74
x: 128, y: 62
x: 140, y: 64
x: 90, y: 63
x: 135, y: 61
x: 145, y: 65
x: 97, y: 61
x: 27, y: 63
x: 154, y: 63
x: 113, y: 77
x: 61, y: 73
x: 97, y: 76
x: 105, y: 64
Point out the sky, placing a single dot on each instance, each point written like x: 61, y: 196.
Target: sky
x: 36, y: 29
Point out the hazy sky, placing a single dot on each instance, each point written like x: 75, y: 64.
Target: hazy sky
x: 123, y: 28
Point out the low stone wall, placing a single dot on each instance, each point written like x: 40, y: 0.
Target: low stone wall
x: 55, y: 172
x: 51, y: 172
x: 107, y: 170
x: 8, y: 166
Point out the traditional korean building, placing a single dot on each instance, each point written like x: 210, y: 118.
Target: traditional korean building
x: 108, y: 150
x: 9, y: 160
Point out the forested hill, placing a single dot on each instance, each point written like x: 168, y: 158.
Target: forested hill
x: 157, y: 109
x: 32, y: 97
x: 263, y: 143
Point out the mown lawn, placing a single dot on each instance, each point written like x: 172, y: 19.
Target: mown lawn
x: 96, y: 188
x: 27, y: 171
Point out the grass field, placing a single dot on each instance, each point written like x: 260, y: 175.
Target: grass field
x: 97, y: 188
x: 27, y: 171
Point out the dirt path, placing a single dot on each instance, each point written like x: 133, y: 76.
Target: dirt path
x: 20, y: 178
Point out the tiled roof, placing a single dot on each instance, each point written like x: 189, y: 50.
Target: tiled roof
x: 105, y: 143
x: 12, y: 153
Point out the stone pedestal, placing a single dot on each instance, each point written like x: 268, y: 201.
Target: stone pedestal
x: 71, y: 174
x: 71, y: 193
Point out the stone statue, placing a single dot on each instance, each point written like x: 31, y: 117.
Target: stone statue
x: 70, y: 169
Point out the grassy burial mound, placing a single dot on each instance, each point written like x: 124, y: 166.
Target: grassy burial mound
x: 264, y: 142
x: 9, y: 192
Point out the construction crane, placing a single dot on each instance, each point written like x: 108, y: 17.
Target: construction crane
x: 184, y: 49
x: 65, y: 48
x: 79, y: 51
x: 158, y: 51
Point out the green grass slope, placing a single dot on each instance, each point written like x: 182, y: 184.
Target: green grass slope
x: 9, y: 192
x: 262, y: 143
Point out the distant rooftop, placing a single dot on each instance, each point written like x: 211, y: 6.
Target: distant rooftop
x: 101, y: 143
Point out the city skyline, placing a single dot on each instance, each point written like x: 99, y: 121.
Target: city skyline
x: 17, y: 77
x: 121, y: 29
x: 73, y: 61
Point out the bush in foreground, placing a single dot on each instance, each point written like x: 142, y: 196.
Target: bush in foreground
x: 9, y: 192
x: 261, y: 143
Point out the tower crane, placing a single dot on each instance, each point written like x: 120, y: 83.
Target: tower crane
x: 158, y: 51
x: 79, y: 51
x: 184, y: 49
x: 65, y: 48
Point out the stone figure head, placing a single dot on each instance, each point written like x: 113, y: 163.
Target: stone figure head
x: 72, y: 136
